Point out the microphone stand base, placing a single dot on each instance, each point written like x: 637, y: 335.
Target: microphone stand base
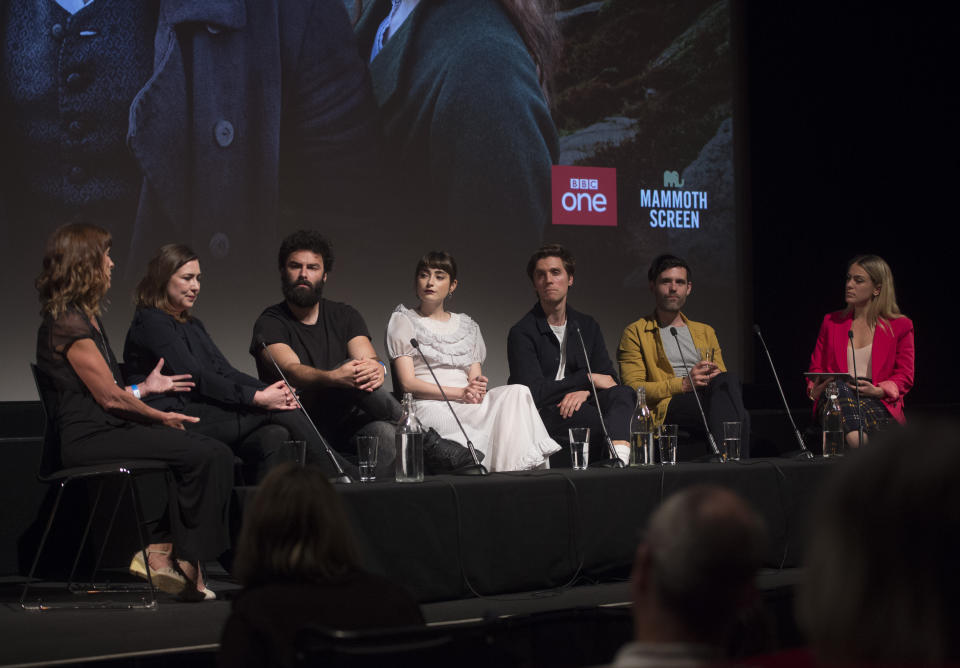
x: 341, y: 480
x: 609, y: 463
x: 797, y: 454
x: 471, y: 469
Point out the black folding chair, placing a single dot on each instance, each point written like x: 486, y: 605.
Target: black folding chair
x: 408, y: 647
x: 89, y: 594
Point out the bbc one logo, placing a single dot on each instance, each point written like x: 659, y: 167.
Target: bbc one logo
x: 584, y: 195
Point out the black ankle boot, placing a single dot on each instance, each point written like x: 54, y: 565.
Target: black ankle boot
x: 443, y: 455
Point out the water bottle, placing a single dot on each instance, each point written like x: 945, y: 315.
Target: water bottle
x: 833, y: 440
x: 642, y: 433
x: 409, y: 459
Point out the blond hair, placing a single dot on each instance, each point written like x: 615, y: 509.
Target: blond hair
x: 883, y: 307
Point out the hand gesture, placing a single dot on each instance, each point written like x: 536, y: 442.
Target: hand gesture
x: 177, y: 420
x: 276, y: 397
x: 368, y: 374
x: 476, y: 390
x: 867, y: 389
x: 816, y: 390
x: 157, y: 383
x: 572, y: 402
x: 701, y: 373
x: 345, y: 374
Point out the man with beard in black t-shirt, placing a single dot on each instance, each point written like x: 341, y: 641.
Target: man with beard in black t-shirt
x: 325, y: 351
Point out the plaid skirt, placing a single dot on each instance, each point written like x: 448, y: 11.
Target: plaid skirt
x: 876, y: 417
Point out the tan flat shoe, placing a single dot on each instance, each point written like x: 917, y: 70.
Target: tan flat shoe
x: 166, y: 579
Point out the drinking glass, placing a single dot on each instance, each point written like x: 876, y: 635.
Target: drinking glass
x: 667, y: 441
x: 367, y: 447
x: 580, y: 447
x: 730, y: 450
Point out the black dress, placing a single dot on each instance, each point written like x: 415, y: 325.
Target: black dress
x: 201, y: 477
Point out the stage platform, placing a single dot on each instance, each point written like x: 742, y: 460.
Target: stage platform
x: 516, y: 545
x: 456, y: 537
x: 188, y: 634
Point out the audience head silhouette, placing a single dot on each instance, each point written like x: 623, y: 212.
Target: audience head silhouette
x: 881, y: 577
x: 295, y: 529
x: 695, y: 568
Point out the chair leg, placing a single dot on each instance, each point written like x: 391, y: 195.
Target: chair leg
x: 138, y: 518
x: 125, y: 480
x: 86, y: 533
x: 43, y: 542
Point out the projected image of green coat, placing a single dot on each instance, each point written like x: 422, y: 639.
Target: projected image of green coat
x: 468, y: 134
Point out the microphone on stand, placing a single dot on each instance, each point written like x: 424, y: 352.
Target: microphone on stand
x: 470, y: 469
x: 341, y: 476
x: 853, y: 354
x: 804, y: 452
x: 613, y: 461
x: 713, y: 443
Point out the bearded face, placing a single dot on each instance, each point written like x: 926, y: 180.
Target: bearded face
x: 300, y: 291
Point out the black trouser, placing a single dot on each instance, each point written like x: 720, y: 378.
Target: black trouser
x: 722, y: 402
x: 369, y: 414
x: 200, y: 483
x: 617, y: 405
x: 234, y: 426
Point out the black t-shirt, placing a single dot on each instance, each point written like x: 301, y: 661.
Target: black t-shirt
x: 322, y: 345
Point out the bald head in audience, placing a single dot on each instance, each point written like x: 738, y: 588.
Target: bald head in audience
x: 696, y: 566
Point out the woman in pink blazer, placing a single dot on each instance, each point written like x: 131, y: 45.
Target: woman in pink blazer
x: 882, y: 343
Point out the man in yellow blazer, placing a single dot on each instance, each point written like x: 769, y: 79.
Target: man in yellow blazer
x: 654, y: 358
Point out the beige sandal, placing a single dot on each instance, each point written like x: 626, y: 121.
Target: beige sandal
x: 166, y: 579
x: 191, y: 593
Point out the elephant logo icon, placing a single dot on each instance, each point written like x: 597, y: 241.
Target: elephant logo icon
x: 671, y: 179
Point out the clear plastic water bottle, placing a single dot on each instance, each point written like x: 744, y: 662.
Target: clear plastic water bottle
x: 833, y: 440
x: 409, y: 459
x: 642, y: 433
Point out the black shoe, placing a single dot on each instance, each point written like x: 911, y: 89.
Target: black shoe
x: 443, y: 455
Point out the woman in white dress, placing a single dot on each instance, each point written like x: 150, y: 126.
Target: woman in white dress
x: 503, y: 423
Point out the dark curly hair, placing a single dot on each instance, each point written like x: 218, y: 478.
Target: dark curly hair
x: 309, y: 240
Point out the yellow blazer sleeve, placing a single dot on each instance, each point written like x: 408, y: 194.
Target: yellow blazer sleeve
x: 705, y: 337
x: 637, y: 354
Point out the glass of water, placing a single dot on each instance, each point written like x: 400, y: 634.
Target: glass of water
x: 367, y: 447
x: 667, y: 441
x: 298, y: 451
x: 730, y: 451
x: 580, y: 447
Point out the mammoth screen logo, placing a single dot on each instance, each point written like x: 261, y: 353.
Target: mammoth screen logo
x: 584, y: 195
x: 671, y: 179
x: 672, y: 206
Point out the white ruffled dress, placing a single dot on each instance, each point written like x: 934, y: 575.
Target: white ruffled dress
x: 505, y: 426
